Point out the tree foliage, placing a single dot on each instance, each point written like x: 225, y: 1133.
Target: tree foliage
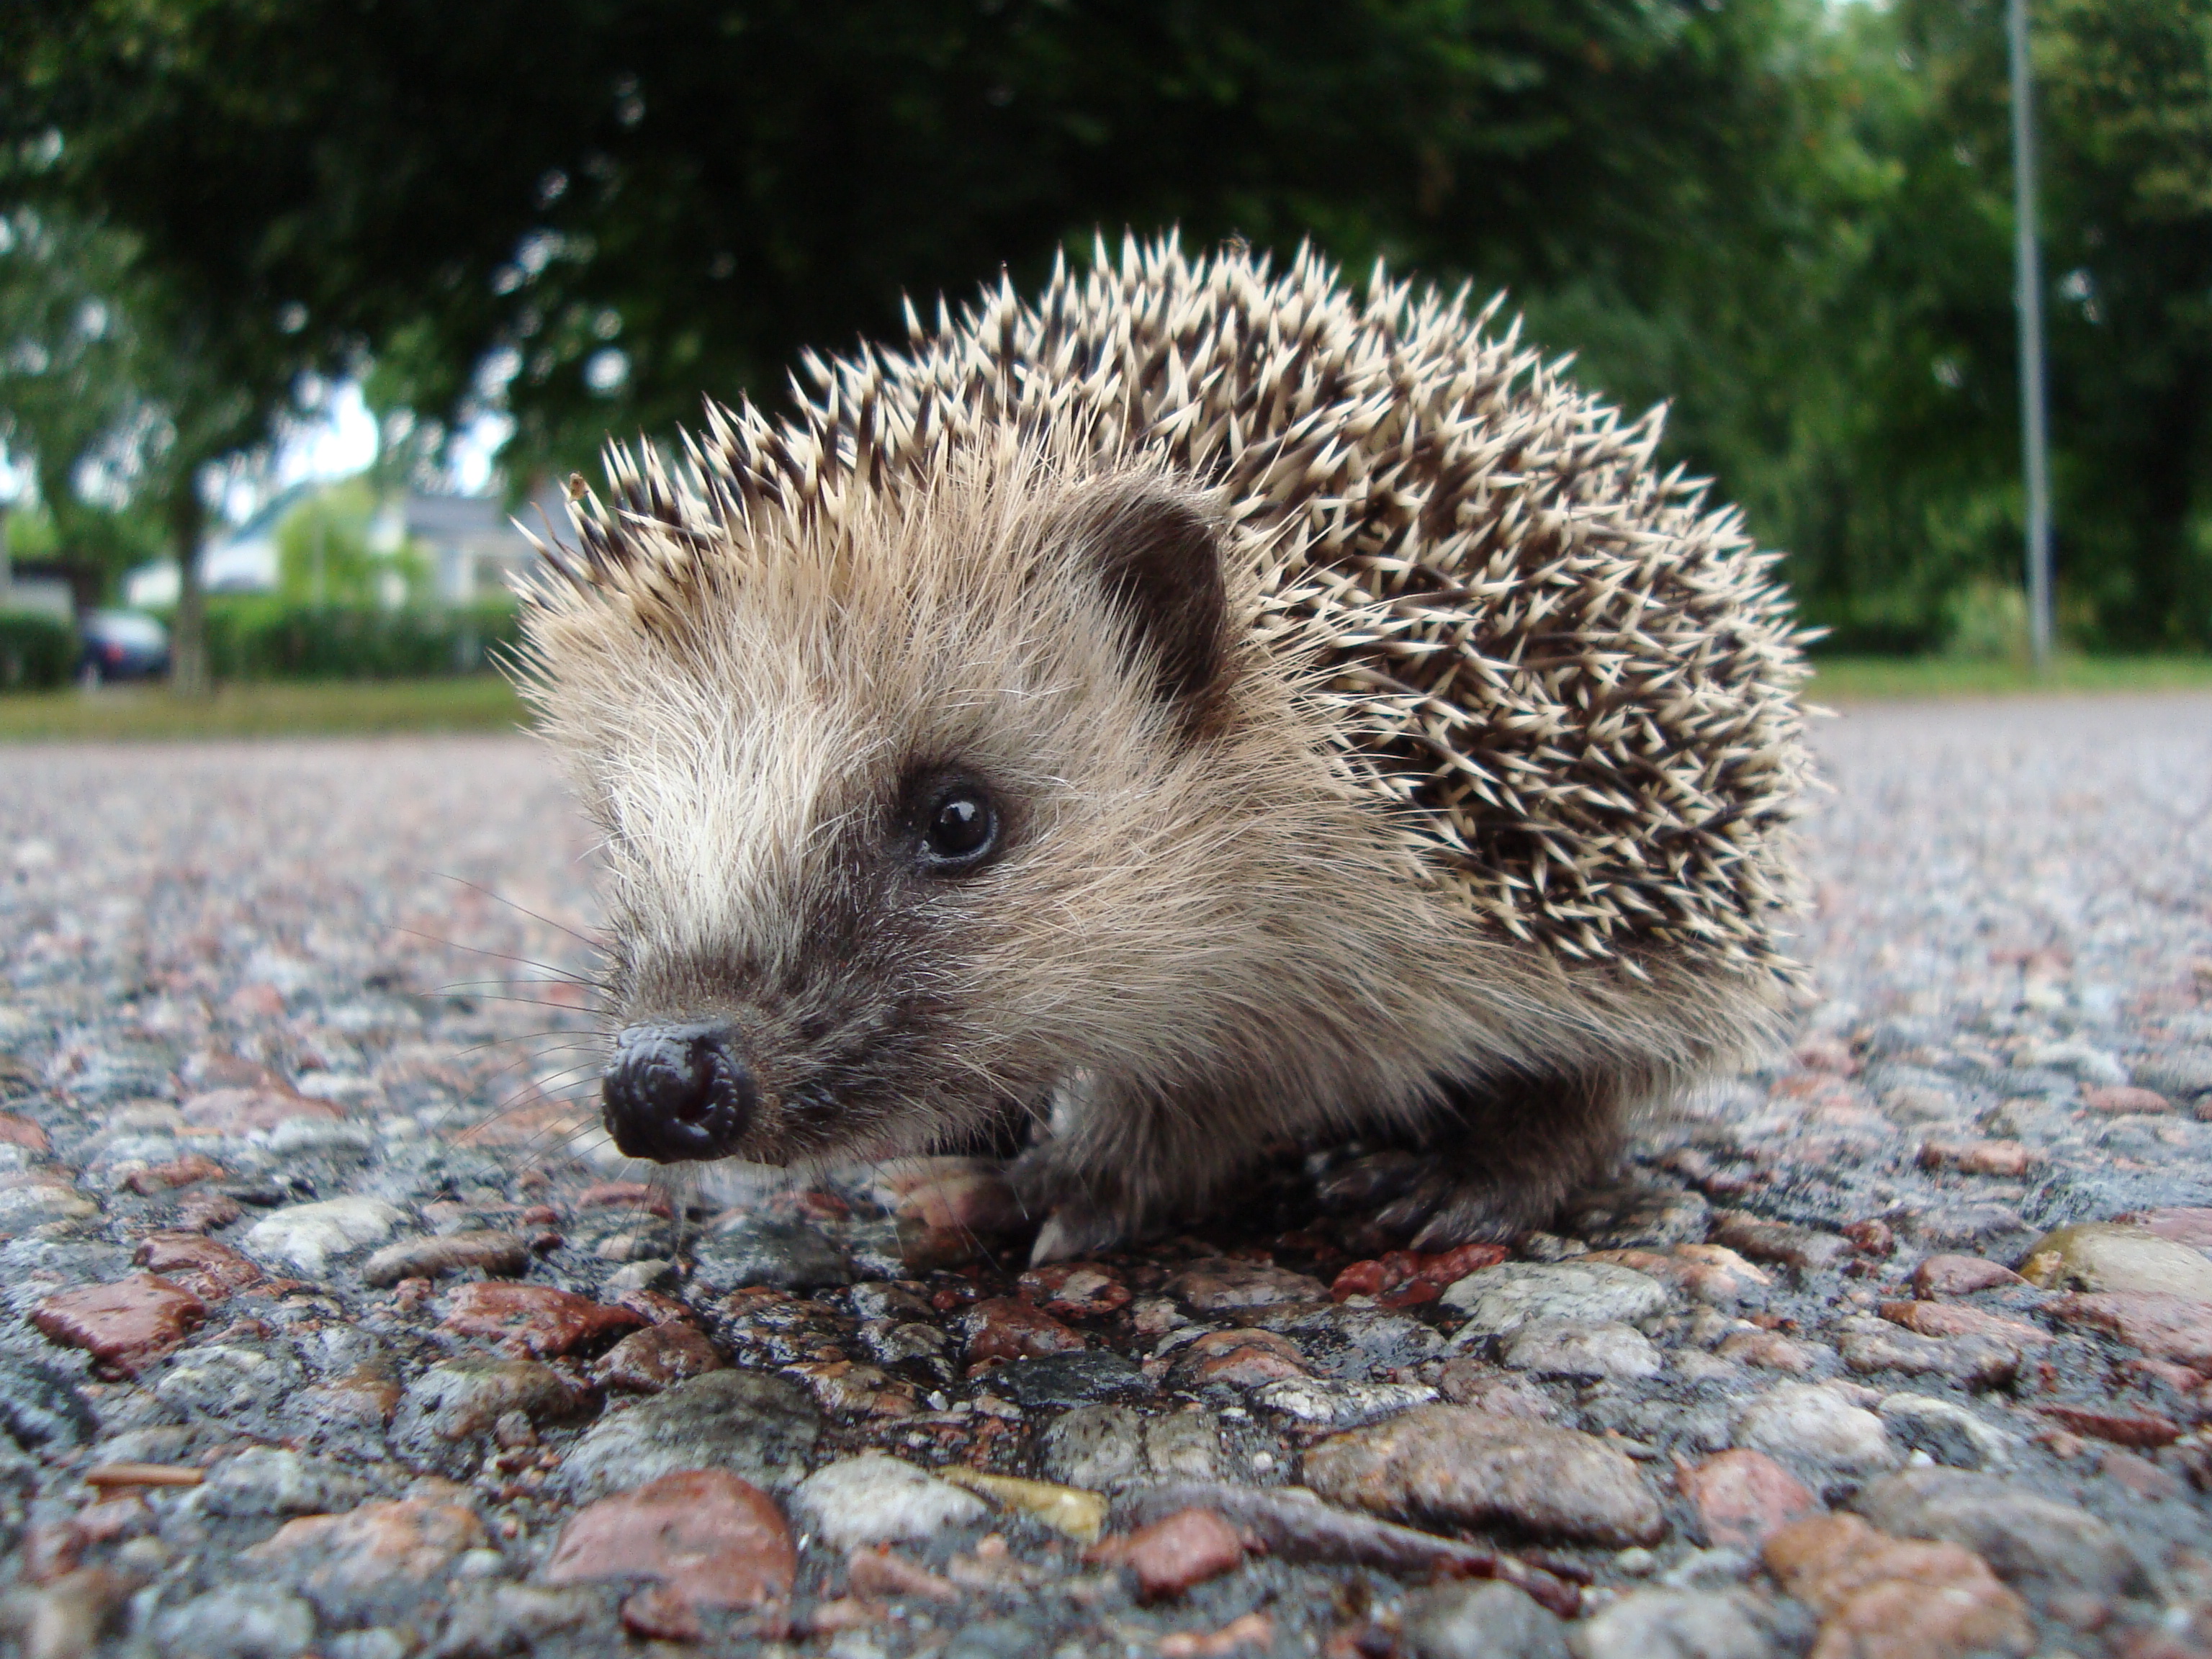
x: 1791, y: 218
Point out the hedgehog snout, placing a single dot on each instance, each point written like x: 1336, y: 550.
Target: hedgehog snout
x: 677, y: 1091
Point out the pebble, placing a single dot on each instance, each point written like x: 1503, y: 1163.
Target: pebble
x: 1073, y: 1513
x: 1944, y: 1430
x: 209, y: 1270
x: 1074, y: 1378
x: 1563, y: 1347
x: 659, y: 1356
x: 1327, y: 1403
x: 1674, y: 1624
x: 463, y: 1398
x: 65, y: 1618
x: 1221, y: 1284
x: 240, y: 1622
x: 306, y: 1236
x: 126, y: 1325
x: 1104, y: 1448
x: 875, y: 1499
x: 1240, y: 1358
x: 786, y: 1255
x: 222, y: 1382
x: 1817, y: 1426
x: 1880, y: 1597
x: 271, y: 1481
x: 1772, y: 1351
x: 1874, y: 1346
x: 2036, y: 1543
x: 1173, y: 1553
x: 39, y: 1405
x: 1470, y: 1618
x: 1075, y: 1290
x: 1794, y: 1246
x: 1000, y: 1329
x: 1961, y: 1275
x: 351, y: 1564
x: 2097, y: 1256
x: 499, y: 1255
x: 1500, y: 1300
x: 2115, y: 1098
x: 2163, y: 1325
x: 534, y: 1319
x: 1743, y: 1496
x: 703, y: 1537
x: 1449, y: 1464
x: 760, y: 1428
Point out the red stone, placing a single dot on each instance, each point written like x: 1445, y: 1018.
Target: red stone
x: 1961, y: 1275
x: 1988, y: 1158
x: 708, y: 1538
x: 209, y: 1269
x: 1075, y: 1290
x: 1169, y: 1556
x: 648, y: 1361
x: 2161, y: 1324
x: 654, y: 1307
x: 635, y: 1195
x: 534, y: 1319
x: 203, y: 1213
x: 1001, y: 1328
x: 1742, y: 1496
x: 1826, y: 1054
x: 2190, y: 1226
x: 408, y: 1541
x: 2146, y: 1428
x: 1948, y: 1319
x: 179, y: 1172
x: 236, y: 1111
x: 1245, y: 1358
x: 21, y: 1132
x: 124, y: 1326
x: 2122, y: 1097
x: 951, y: 1195
x: 883, y: 1575
x: 1420, y: 1277
x: 1873, y: 1236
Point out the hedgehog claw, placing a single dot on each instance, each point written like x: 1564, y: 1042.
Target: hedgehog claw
x: 1073, y: 1230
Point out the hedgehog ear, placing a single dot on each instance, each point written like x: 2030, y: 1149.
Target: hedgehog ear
x: 1156, y: 554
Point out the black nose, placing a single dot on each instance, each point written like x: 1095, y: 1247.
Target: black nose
x: 676, y: 1092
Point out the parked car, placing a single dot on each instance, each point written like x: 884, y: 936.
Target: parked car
x: 121, y: 645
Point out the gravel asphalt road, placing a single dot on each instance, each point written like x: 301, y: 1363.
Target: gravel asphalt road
x: 335, y: 1329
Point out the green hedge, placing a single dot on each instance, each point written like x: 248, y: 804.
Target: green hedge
x: 263, y: 638
x: 36, y: 650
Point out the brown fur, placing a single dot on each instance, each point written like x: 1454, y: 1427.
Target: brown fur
x: 1381, y: 746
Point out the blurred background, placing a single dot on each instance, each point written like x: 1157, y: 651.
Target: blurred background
x: 298, y: 303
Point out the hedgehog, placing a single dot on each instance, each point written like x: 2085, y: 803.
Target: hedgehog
x: 1205, y: 710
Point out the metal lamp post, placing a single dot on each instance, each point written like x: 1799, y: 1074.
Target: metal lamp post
x: 2028, y: 301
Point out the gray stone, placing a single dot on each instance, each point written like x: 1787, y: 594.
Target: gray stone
x: 1473, y: 1618
x: 2037, y: 1544
x: 223, y: 1383
x: 268, y: 1480
x: 1816, y: 1425
x: 784, y: 1256
x: 1561, y: 1347
x: 1318, y: 1402
x: 2178, y: 1073
x: 759, y: 1428
x: 1672, y: 1623
x: 1453, y: 1465
x: 39, y: 1406
x: 497, y: 1621
x: 240, y: 1622
x: 1627, y: 1217
x: 451, y: 1403
x: 875, y: 1499
x: 1947, y: 1431
x: 2102, y: 1256
x: 1500, y: 1300
x: 1103, y: 1448
x: 1076, y: 1378
x: 305, y: 1237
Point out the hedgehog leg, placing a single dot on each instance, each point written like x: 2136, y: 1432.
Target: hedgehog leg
x: 1113, y: 1168
x: 1508, y: 1156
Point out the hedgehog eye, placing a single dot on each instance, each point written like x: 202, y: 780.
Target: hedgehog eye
x: 960, y: 829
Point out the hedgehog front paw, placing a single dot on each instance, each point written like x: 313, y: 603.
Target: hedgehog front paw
x: 1077, y: 1221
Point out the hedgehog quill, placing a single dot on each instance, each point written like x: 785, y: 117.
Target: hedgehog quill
x: 1201, y: 707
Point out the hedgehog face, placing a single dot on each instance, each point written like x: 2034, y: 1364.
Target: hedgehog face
x: 912, y: 816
